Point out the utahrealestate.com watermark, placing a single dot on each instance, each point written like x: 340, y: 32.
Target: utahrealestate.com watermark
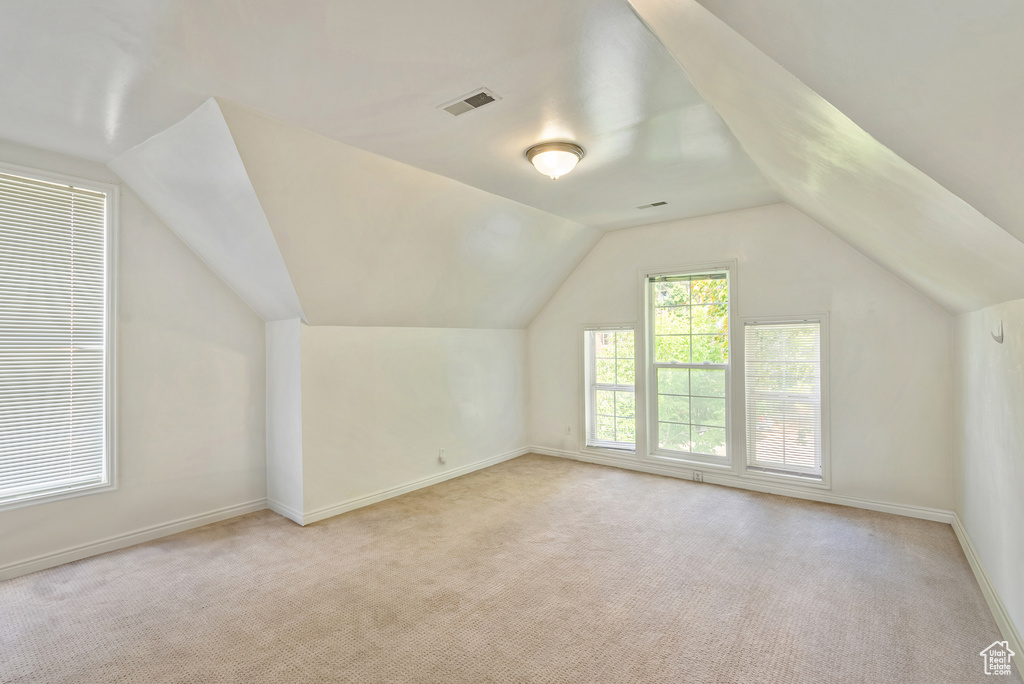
x: 997, y: 658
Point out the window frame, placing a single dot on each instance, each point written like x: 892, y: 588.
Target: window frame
x: 792, y: 479
x: 652, y: 452
x: 587, y: 414
x: 112, y: 192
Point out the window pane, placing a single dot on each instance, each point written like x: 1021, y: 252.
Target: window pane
x: 606, y: 371
x: 624, y: 344
x: 625, y: 404
x: 783, y: 381
x: 611, y: 413
x: 674, y: 321
x: 626, y: 375
x: 673, y: 409
x: 707, y: 382
x: 710, y: 349
x: 709, y: 440
x: 672, y: 294
x: 705, y: 411
x: 674, y: 381
x: 799, y: 378
x: 605, y: 402
x: 672, y: 349
x: 690, y: 325
x: 604, y: 344
x: 801, y: 435
x: 53, y: 354
x: 707, y: 290
x: 673, y: 437
x: 710, y: 318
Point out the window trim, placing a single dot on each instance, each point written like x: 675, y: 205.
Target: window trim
x: 651, y: 451
x: 753, y: 473
x: 584, y: 383
x: 112, y: 191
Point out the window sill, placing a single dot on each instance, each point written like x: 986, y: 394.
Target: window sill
x: 608, y: 451
x: 59, y: 495
x: 693, y: 461
x: 794, y: 480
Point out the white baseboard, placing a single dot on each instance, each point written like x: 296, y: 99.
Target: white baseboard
x: 286, y: 511
x: 711, y: 477
x: 1006, y: 626
x: 352, y: 504
x: 121, y: 541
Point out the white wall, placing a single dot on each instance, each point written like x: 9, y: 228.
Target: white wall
x: 890, y: 368
x: 192, y: 178
x: 824, y: 163
x: 989, y: 446
x: 378, y: 404
x: 191, y: 383
x: 284, y: 418
x: 369, y: 241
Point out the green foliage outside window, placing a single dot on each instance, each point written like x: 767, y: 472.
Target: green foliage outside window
x: 614, y: 364
x: 691, y: 326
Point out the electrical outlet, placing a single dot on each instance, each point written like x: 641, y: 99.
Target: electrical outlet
x: 568, y: 429
x: 441, y: 457
x: 698, y: 476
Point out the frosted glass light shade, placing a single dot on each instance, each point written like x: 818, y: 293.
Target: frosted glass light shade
x: 555, y: 159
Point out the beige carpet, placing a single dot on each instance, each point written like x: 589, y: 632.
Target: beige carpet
x: 535, y: 570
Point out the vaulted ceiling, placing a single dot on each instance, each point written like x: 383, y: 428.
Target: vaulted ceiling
x: 935, y: 81
x: 823, y: 163
x: 102, y: 76
x: 326, y: 165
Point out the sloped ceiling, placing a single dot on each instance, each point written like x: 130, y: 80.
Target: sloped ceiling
x: 730, y: 129
x: 303, y: 226
x: 373, y: 242
x: 192, y: 178
x: 824, y: 164
x: 99, y: 77
x: 936, y: 81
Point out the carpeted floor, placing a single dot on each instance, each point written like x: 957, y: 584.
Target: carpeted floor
x: 535, y: 570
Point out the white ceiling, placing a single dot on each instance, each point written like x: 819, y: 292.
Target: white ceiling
x: 285, y: 216
x: 100, y: 76
x: 939, y: 82
x: 369, y: 241
x: 827, y: 166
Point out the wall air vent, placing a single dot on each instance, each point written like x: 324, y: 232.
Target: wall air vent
x: 652, y: 204
x: 467, y: 103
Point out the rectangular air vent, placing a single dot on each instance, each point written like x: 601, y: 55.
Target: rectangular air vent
x: 652, y: 204
x: 467, y: 103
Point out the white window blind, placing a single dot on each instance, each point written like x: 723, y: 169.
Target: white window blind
x: 53, y: 312
x: 783, y: 397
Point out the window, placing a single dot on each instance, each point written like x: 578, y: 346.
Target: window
x: 54, y: 337
x: 611, y: 401
x: 783, y: 397
x: 689, y: 321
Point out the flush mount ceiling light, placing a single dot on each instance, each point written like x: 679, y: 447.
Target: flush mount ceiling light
x: 555, y: 159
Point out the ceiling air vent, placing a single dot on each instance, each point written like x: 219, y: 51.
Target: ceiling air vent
x: 467, y: 103
x: 652, y: 204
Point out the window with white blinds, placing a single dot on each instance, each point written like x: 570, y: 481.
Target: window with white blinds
x: 53, y: 338
x: 783, y: 397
